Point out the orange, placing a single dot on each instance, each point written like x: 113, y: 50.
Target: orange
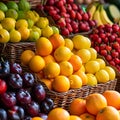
x: 108, y: 113
x: 37, y: 118
x: 95, y: 102
x: 62, y: 53
x: 101, y: 62
x: 92, y: 66
x: 84, y: 54
x: 66, y: 68
x: 36, y: 63
x: 26, y: 56
x: 47, y: 82
x: 57, y: 40
x: 76, y: 62
x: 51, y: 70
x: 77, y: 106
x: 75, y: 81
x: 48, y: 59
x: 69, y: 43
x: 87, y: 116
x: 43, y: 46
x: 74, y: 117
x: 61, y: 84
x: 83, y: 76
x: 111, y: 96
x: 58, y: 114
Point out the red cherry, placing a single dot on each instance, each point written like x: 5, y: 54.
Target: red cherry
x: 3, y: 86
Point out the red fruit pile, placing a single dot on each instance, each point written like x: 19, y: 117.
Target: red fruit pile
x: 68, y: 16
x: 106, y: 40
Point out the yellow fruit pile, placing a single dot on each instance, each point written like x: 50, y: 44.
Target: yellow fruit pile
x: 64, y: 64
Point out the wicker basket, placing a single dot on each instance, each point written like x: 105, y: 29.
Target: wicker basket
x: 12, y: 51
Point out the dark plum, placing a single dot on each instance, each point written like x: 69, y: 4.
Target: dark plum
x: 3, y: 114
x: 27, y: 118
x: 15, y: 68
x: 43, y: 116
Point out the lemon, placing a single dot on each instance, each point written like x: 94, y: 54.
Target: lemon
x: 55, y: 30
x: 93, y: 53
x: 102, y: 76
x: 92, y: 66
x: 101, y: 62
x: 21, y: 23
x: 69, y: 43
x: 92, y: 80
x: 2, y: 15
x: 1, y: 26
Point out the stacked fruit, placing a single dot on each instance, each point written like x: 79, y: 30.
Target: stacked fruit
x: 67, y: 63
x: 21, y: 98
x: 106, y: 40
x: 68, y: 16
x: 94, y: 107
x: 19, y: 23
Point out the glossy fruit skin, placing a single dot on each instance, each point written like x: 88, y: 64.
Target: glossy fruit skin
x: 3, y: 114
x: 15, y: 68
x: 3, y: 86
x: 16, y: 113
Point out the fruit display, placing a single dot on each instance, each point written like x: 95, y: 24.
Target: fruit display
x: 106, y: 40
x: 19, y: 23
x: 82, y: 109
x: 68, y: 16
x: 21, y: 97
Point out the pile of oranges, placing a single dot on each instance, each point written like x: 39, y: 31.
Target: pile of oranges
x: 64, y: 63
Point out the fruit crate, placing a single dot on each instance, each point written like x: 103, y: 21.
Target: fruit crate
x: 12, y: 51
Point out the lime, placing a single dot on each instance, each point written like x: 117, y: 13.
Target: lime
x: 21, y: 15
x: 55, y: 29
x: 12, y: 5
x: 3, y: 7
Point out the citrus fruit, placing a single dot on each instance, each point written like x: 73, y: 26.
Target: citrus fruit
x: 4, y: 36
x: 12, y: 5
x: 48, y: 59
x: 101, y: 62
x: 74, y: 117
x: 30, y: 23
x: 35, y: 28
x: 3, y: 7
x: 102, y: 76
x: 81, y: 42
x: 87, y: 116
x: 43, y: 46
x: 75, y: 81
x: 8, y: 23
x: 95, y: 102
x: 111, y: 72
x: 26, y: 56
x: 112, y: 95
x: 57, y: 40
x: 2, y: 15
x: 21, y: 14
x: 92, y: 67
x: 77, y: 106
x: 83, y: 76
x: 55, y: 29
x: 69, y: 43
x: 108, y: 113
x: 51, y: 70
x: 47, y: 31
x: 66, y: 68
x: 92, y: 80
x: 15, y: 36
x: 84, y: 54
x: 93, y: 53
x: 62, y: 53
x: 58, y: 114
x: 61, y: 83
x: 36, y: 63
x: 1, y: 26
x: 37, y: 118
x: 76, y: 62
x: 21, y: 23
x: 25, y: 33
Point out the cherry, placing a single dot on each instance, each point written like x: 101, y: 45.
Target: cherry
x: 3, y: 86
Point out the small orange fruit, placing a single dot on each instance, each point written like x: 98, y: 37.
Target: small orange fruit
x: 66, y: 68
x: 58, y: 114
x: 77, y: 106
x: 48, y: 59
x: 75, y: 81
x: 26, y: 56
x: 43, y: 46
x: 62, y: 53
x: 51, y: 70
x: 37, y: 118
x: 61, y: 84
x: 68, y: 43
x: 36, y: 63
x: 95, y: 102
x: 57, y: 40
x: 87, y: 116
x: 108, y: 113
x: 74, y: 117
x: 76, y: 62
x: 111, y: 96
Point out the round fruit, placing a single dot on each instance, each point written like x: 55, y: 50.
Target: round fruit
x: 21, y: 23
x: 43, y: 46
x: 74, y: 117
x: 48, y: 59
x: 93, y: 53
x: 37, y: 118
x: 12, y: 5
x: 69, y: 43
x: 87, y: 116
x: 2, y: 15
x: 101, y: 62
x: 3, y: 7
x: 55, y: 29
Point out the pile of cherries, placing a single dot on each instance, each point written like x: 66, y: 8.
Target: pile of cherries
x: 106, y: 40
x: 21, y: 97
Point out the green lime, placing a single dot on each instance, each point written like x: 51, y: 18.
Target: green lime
x: 3, y: 7
x: 12, y: 5
x: 21, y: 14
